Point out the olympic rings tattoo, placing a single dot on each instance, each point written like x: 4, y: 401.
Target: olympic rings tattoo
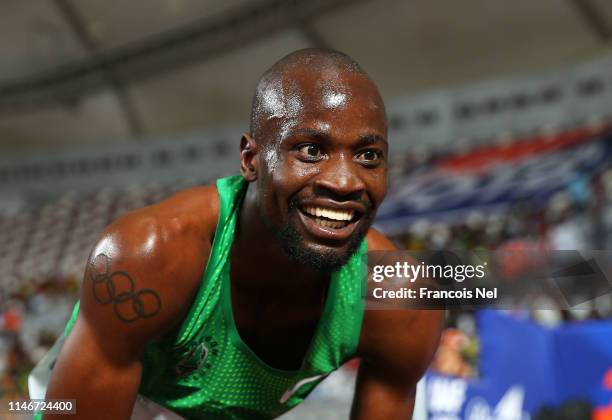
x: 118, y: 288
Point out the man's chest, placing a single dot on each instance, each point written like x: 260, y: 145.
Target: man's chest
x: 278, y: 332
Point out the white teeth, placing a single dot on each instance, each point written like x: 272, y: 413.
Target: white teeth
x: 330, y: 214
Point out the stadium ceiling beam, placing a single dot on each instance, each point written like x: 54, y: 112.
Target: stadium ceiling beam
x: 594, y: 18
x: 195, y: 42
x: 77, y: 24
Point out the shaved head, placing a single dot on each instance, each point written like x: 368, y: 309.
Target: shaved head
x: 280, y: 95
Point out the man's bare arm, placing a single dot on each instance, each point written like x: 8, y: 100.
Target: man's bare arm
x: 387, y: 378
x: 138, y: 285
x: 396, y: 347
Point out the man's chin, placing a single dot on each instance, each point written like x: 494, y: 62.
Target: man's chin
x: 322, y: 261
x: 321, y: 257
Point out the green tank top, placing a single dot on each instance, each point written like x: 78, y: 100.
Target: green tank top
x: 206, y: 371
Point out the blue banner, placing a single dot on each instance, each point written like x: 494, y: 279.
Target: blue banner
x: 440, y: 193
x: 524, y: 366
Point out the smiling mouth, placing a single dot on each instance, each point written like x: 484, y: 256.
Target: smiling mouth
x: 330, y: 218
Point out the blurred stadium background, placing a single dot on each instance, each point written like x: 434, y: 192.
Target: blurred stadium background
x: 500, y: 120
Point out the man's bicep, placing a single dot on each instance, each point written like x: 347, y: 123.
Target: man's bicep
x: 98, y: 365
x: 119, y: 313
x: 120, y: 303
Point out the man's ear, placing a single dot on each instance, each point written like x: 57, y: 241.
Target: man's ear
x: 249, y: 157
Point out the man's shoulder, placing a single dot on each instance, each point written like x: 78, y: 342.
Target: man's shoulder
x: 189, y: 217
x: 153, y: 257
x: 193, y: 208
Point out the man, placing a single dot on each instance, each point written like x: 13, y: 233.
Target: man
x: 235, y: 300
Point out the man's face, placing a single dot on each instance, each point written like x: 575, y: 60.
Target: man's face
x: 322, y: 165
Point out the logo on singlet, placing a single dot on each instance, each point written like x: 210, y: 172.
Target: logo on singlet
x: 289, y: 393
x: 196, y: 360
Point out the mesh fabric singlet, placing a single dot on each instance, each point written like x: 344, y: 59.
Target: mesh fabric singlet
x: 206, y: 370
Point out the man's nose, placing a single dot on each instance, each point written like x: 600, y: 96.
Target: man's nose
x: 340, y: 179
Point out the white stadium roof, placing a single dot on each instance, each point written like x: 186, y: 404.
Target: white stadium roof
x: 93, y: 71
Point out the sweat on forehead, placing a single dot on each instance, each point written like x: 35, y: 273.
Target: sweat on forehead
x: 278, y: 93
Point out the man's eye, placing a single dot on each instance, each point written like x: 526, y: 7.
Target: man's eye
x: 311, y: 150
x: 370, y: 155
